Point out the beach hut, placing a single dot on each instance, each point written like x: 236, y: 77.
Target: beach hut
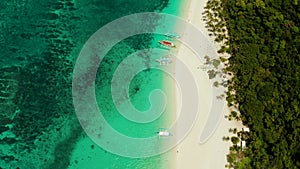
x: 245, y: 129
x: 243, y: 144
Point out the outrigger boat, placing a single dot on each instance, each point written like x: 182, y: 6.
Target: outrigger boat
x: 172, y: 35
x: 167, y: 43
x: 163, y: 133
x: 164, y: 60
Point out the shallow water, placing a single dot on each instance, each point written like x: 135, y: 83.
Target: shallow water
x: 40, y: 41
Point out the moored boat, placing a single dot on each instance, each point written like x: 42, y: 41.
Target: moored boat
x: 167, y: 43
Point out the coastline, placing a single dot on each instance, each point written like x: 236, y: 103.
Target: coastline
x: 189, y: 153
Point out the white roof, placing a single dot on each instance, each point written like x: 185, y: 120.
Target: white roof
x: 246, y: 129
x: 243, y: 144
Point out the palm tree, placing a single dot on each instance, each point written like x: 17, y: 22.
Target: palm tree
x: 216, y: 84
x: 226, y: 138
x: 235, y: 140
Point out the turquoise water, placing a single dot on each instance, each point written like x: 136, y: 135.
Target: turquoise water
x: 40, y: 41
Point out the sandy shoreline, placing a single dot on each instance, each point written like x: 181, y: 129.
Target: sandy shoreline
x: 189, y: 153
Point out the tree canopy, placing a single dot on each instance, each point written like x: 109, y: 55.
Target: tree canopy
x: 263, y: 41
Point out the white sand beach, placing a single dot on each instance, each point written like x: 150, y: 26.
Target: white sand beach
x: 190, y: 154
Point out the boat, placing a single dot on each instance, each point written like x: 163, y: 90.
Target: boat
x: 172, y: 35
x: 164, y: 60
x: 167, y: 43
x: 163, y: 133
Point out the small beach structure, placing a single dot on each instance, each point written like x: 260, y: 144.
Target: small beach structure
x: 245, y: 129
x: 243, y: 142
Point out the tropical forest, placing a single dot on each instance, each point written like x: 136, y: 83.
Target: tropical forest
x: 262, y: 40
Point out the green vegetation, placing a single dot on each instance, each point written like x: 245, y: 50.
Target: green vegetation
x: 263, y: 40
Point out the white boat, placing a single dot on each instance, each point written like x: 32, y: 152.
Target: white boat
x: 164, y: 60
x: 164, y: 133
x: 172, y: 35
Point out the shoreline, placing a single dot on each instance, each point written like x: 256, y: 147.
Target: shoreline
x: 189, y: 153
